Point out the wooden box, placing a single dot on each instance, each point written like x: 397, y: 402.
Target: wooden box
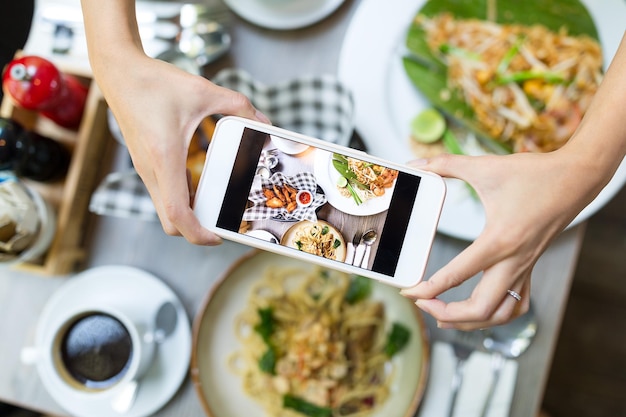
x: 69, y: 196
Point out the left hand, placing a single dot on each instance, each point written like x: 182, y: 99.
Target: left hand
x: 528, y: 200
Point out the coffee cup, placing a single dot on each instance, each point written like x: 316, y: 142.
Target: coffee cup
x: 94, y: 351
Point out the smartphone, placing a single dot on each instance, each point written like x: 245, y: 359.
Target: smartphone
x: 284, y: 192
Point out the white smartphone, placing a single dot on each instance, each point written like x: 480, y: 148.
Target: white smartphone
x: 299, y: 196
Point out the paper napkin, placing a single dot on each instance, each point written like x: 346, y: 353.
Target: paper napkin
x: 476, y: 381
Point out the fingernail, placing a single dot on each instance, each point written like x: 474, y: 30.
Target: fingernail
x: 420, y: 304
x: 443, y: 325
x: 262, y: 118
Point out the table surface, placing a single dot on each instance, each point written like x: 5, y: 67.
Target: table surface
x: 190, y: 271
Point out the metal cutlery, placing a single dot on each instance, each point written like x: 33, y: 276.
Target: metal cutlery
x: 506, y: 342
x: 369, y: 238
x: 463, y: 345
x: 350, y: 248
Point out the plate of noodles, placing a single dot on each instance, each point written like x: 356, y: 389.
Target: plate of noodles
x: 280, y: 337
x: 373, y: 190
x: 391, y: 92
x: 318, y: 238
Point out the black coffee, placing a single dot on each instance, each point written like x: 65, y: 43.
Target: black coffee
x: 96, y: 350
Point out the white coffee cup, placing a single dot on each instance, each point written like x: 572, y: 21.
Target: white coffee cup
x: 59, y: 359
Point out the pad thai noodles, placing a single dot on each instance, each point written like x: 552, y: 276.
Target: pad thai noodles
x: 528, y: 86
x: 364, y: 180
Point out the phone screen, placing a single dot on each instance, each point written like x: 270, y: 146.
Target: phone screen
x: 316, y: 201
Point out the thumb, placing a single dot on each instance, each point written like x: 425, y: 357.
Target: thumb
x: 235, y: 103
x: 446, y: 165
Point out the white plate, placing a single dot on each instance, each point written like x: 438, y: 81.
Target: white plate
x: 125, y: 288
x: 327, y: 176
x: 370, y: 65
x: 283, y: 14
x: 289, y: 237
x: 263, y: 234
x: 214, y: 339
x: 288, y: 146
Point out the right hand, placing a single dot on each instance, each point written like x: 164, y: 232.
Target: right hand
x: 158, y: 107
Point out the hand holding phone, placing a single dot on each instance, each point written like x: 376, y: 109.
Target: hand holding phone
x: 302, y: 197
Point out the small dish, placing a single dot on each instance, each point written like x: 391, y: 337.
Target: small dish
x: 263, y: 234
x: 36, y: 215
x: 288, y: 146
x: 304, y: 198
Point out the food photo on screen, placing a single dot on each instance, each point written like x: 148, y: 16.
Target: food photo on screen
x: 319, y: 202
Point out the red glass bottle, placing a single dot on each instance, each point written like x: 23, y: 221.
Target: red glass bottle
x: 37, y: 84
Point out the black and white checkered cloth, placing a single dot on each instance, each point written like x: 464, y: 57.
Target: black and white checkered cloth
x: 317, y: 106
x: 123, y: 194
x: 300, y: 181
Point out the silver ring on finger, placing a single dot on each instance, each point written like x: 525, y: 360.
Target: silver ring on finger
x: 514, y: 295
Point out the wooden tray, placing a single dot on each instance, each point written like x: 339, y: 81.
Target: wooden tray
x: 69, y: 196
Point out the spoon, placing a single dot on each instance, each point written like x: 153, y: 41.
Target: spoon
x: 368, y: 239
x: 164, y: 324
x: 507, y: 342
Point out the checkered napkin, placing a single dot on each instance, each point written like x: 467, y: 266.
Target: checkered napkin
x: 319, y: 106
x: 123, y: 194
x: 300, y: 181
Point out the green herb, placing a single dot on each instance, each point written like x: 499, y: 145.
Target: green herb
x: 299, y: 244
x: 267, y: 362
x: 451, y: 143
x: 397, y: 339
x: 336, y: 243
x: 459, y: 52
x: 509, y: 55
x: 267, y: 325
x: 521, y: 76
x: 359, y: 289
x: 354, y: 195
x: 305, y: 407
x: 325, y: 230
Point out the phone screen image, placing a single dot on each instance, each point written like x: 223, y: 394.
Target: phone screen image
x: 312, y: 200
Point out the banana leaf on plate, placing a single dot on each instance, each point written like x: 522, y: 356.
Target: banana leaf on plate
x: 429, y: 74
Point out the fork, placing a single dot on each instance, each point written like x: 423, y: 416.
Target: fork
x: 463, y: 345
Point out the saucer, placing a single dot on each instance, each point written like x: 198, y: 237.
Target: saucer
x: 120, y: 287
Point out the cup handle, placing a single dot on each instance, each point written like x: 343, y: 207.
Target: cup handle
x: 30, y: 355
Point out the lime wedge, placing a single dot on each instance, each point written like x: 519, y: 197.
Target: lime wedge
x: 342, y: 182
x: 428, y: 126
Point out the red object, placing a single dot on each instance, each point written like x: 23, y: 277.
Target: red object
x: 304, y: 197
x: 36, y: 84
